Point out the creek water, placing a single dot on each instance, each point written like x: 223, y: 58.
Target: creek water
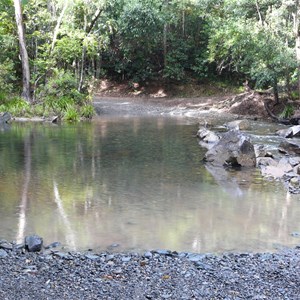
x: 135, y: 183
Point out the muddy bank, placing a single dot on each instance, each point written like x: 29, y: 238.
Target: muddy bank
x: 161, y: 274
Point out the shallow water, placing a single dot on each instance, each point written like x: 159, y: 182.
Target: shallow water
x: 135, y: 183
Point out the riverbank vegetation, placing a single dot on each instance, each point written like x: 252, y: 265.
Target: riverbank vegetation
x: 54, y: 52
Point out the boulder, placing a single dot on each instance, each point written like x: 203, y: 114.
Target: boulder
x: 233, y: 149
x: 239, y: 125
x: 207, y: 138
x: 33, y: 243
x: 207, y: 135
x: 289, y: 147
x: 291, y: 132
x: 5, y: 117
x: 261, y: 151
x: 266, y: 161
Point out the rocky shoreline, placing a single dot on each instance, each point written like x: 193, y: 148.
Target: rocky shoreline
x: 161, y: 274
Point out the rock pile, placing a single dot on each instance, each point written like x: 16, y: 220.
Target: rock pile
x: 235, y: 149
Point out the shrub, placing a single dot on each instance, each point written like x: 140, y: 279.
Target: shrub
x: 87, y: 111
x: 61, y: 85
x: 71, y: 114
x: 287, y: 112
x: 16, y: 106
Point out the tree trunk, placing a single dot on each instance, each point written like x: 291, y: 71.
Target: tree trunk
x: 23, y: 52
x: 275, y: 90
x: 56, y: 30
x: 165, y: 44
x: 298, y: 61
x: 296, y: 30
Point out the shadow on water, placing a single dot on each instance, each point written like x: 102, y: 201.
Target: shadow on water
x: 137, y: 182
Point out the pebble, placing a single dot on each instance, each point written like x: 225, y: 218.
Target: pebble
x: 148, y: 254
x: 126, y: 259
x: 3, y: 253
x: 91, y: 256
x: 164, y: 275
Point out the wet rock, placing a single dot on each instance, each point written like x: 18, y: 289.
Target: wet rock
x: 233, y: 149
x: 148, y: 254
x: 289, y: 147
x: 163, y: 252
x: 53, y: 245
x: 239, y: 125
x: 207, y: 137
x: 261, y: 151
x: 294, y: 161
x: 62, y: 255
x: 266, y: 161
x: 3, y: 253
x: 5, y: 117
x: 295, y: 234
x: 126, y: 259
x: 6, y: 245
x: 291, y: 132
x: 195, y: 257
x: 110, y: 257
x: 91, y: 256
x: 33, y: 243
x: 277, y: 172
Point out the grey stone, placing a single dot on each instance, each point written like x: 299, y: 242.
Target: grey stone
x: 295, y: 234
x: 148, y: 254
x: 163, y: 252
x: 291, y: 132
x: 33, y: 243
x: 6, y: 246
x: 289, y: 147
x: 5, y: 117
x: 3, y: 253
x: 233, y: 149
x: 91, y: 256
x: 294, y: 161
x: 266, y: 161
x: 195, y: 257
x: 126, y: 259
x: 239, y: 125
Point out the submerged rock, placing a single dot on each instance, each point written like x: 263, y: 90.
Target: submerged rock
x: 239, y: 125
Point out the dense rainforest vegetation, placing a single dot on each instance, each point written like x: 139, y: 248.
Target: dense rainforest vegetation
x: 54, y: 51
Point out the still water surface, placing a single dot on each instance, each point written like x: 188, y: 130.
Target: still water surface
x: 137, y: 182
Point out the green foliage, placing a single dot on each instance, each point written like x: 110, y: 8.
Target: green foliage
x: 140, y: 40
x: 62, y: 87
x: 287, y: 112
x: 87, y: 111
x: 16, y: 106
x: 71, y: 114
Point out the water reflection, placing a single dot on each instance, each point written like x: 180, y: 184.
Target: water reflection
x: 138, y: 182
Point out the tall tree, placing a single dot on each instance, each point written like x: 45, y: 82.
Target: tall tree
x: 23, y: 51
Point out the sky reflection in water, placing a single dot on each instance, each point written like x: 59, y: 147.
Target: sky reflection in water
x: 136, y: 182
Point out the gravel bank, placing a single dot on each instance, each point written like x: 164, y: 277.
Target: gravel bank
x: 152, y: 275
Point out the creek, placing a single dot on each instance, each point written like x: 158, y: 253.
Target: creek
x: 131, y: 183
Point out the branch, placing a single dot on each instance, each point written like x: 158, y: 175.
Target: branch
x: 55, y: 33
x: 94, y: 20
